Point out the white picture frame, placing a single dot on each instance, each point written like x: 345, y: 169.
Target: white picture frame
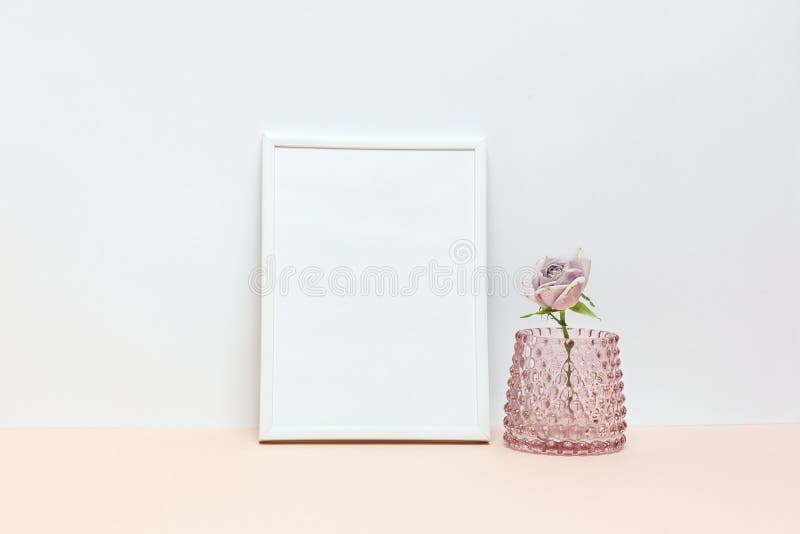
x: 412, y: 365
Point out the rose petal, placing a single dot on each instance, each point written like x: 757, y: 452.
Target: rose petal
x: 546, y: 296
x: 586, y: 266
x: 582, y: 262
x: 546, y: 291
x: 537, y: 280
x: 571, y: 294
x: 570, y: 274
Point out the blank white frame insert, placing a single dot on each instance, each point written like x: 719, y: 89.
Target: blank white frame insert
x: 373, y: 310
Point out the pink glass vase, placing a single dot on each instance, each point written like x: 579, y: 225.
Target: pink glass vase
x: 555, y: 406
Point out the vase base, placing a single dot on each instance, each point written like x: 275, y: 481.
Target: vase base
x: 564, y: 448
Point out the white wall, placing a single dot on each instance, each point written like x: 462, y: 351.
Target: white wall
x: 663, y: 137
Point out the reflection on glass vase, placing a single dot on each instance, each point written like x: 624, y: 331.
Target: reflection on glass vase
x: 565, y: 405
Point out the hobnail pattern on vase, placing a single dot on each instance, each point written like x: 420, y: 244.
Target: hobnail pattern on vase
x: 544, y: 415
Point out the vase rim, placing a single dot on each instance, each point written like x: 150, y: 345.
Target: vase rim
x: 549, y: 332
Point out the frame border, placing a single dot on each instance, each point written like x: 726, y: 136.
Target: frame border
x: 267, y: 431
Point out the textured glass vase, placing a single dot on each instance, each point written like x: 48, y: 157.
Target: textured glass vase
x: 556, y: 407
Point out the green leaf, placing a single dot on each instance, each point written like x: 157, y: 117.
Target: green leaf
x: 587, y: 299
x: 542, y: 311
x: 583, y: 309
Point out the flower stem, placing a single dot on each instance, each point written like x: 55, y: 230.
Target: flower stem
x: 568, y: 344
x: 563, y: 322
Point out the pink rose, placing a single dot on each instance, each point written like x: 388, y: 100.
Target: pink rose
x: 557, y: 283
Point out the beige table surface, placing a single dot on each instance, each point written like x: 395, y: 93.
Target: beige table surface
x: 668, y: 479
